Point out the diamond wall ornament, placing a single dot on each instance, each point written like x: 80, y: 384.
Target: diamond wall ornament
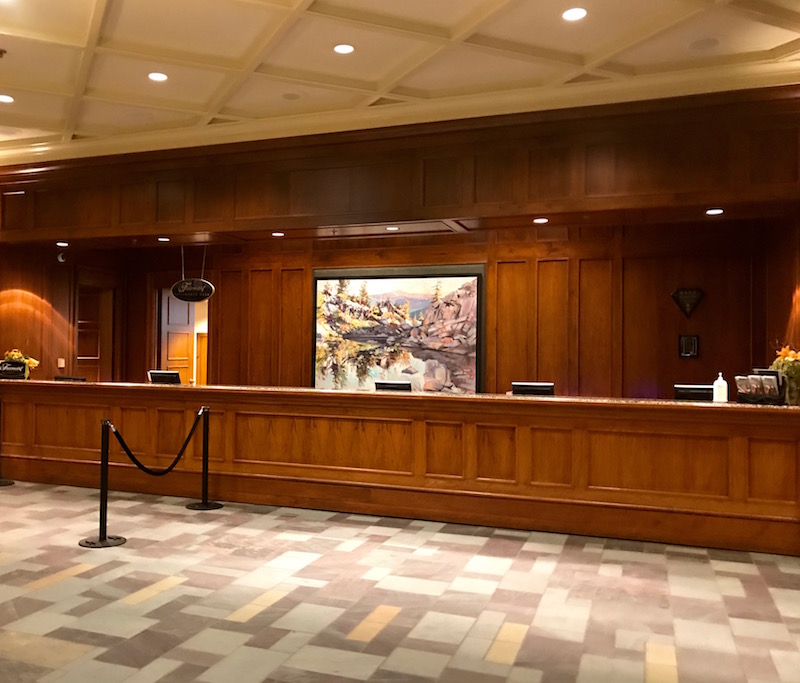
x: 687, y: 299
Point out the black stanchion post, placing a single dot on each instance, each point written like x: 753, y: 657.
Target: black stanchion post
x: 205, y: 504
x: 103, y: 540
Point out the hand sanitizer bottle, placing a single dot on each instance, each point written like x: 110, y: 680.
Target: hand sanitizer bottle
x: 720, y: 390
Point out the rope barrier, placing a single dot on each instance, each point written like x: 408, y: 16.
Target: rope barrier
x: 104, y: 540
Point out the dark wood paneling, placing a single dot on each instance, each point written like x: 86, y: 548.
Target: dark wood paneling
x: 441, y: 181
x: 549, y: 173
x: 213, y: 198
x: 513, y: 347
x: 135, y: 204
x: 294, y: 337
x: 320, y: 191
x: 261, y: 317
x: 551, y: 457
x: 641, y: 330
x: 773, y: 156
x: 261, y: 193
x: 229, y: 333
x: 495, y: 176
x: 595, y: 342
x: 382, y: 187
x: 772, y: 470
x: 15, y: 210
x: 552, y: 330
x: 171, y: 201
x: 79, y: 207
x: 496, y: 453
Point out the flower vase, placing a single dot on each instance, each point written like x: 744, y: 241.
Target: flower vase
x: 792, y: 392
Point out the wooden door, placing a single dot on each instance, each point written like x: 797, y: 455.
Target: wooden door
x: 201, y: 376
x: 177, y: 336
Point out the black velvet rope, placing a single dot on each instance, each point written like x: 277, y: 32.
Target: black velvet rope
x: 145, y: 468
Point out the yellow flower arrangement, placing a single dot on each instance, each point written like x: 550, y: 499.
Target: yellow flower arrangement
x: 16, y: 356
x: 787, y: 362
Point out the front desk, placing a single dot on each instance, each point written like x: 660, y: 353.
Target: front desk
x: 718, y: 475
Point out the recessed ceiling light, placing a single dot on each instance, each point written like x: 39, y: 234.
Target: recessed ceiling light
x: 392, y: 228
x: 278, y: 234
x: 541, y: 220
x: 62, y: 244
x: 344, y: 49
x: 163, y: 239
x: 714, y: 212
x: 157, y: 76
x: 6, y: 99
x: 574, y: 14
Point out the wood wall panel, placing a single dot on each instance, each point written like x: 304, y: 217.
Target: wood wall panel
x: 513, y: 348
x: 444, y: 449
x: 171, y: 431
x: 262, y: 313
x: 136, y: 205
x: 67, y: 426
x: 382, y: 186
x: 441, y: 181
x: 496, y: 453
x: 15, y: 422
x: 495, y: 176
x: 552, y: 331
x: 15, y: 210
x: 170, y: 201
x: 132, y: 424
x: 260, y: 193
x: 319, y: 441
x: 229, y: 332
x: 213, y: 199
x: 659, y: 463
x: 772, y: 470
x: 774, y: 156
x: 320, y: 191
x: 641, y: 328
x: 595, y: 320
x: 295, y: 339
x: 551, y: 457
x: 550, y: 173
x: 74, y: 207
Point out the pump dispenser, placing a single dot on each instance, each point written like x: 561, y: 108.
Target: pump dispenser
x: 720, y: 389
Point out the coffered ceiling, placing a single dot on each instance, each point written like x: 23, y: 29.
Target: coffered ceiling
x: 239, y: 70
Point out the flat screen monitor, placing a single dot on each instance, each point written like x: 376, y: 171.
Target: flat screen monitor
x: 67, y: 378
x: 164, y: 376
x: 392, y: 385
x: 694, y: 392
x: 533, y: 388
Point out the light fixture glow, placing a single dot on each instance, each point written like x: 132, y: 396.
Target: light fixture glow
x: 278, y: 234
x: 574, y: 14
x: 343, y: 49
x: 541, y: 220
x: 157, y: 76
x: 392, y: 228
x: 714, y: 212
x: 62, y: 244
x: 6, y: 99
x: 163, y: 239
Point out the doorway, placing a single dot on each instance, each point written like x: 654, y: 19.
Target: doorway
x: 183, y: 338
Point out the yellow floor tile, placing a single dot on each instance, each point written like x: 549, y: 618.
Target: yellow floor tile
x: 51, y: 653
x: 153, y: 590
x: 502, y: 652
x: 373, y: 623
x: 63, y: 575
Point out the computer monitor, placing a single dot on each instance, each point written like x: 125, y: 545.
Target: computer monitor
x: 392, y: 385
x: 164, y: 376
x: 693, y: 392
x: 533, y: 388
x: 67, y: 378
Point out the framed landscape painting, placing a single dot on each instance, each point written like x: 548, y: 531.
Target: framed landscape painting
x: 417, y: 325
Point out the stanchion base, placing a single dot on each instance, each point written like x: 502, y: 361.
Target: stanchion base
x: 107, y: 542
x: 6, y: 482
x: 204, y: 506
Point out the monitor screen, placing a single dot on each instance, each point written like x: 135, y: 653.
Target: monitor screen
x: 533, y: 388
x: 392, y: 385
x: 67, y: 378
x: 694, y: 392
x: 164, y: 376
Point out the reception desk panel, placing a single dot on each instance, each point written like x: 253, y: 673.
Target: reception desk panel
x: 715, y: 475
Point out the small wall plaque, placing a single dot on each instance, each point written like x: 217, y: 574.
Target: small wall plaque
x: 687, y: 299
x: 688, y: 346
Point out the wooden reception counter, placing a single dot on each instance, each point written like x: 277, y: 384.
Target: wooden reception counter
x: 719, y: 475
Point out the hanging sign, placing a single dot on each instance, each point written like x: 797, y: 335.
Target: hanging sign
x: 192, y: 289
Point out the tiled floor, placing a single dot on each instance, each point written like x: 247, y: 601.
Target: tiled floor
x: 248, y: 594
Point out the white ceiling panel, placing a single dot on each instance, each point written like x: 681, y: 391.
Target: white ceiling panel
x: 465, y: 70
x: 225, y: 29
x: 713, y: 33
x: 125, y: 78
x: 261, y: 96
x: 78, y: 68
